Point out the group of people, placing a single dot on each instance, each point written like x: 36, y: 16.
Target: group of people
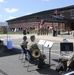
x: 27, y: 48
x: 27, y: 45
x: 43, y: 30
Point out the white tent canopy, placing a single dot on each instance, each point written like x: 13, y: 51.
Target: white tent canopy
x: 3, y: 24
x: 9, y: 42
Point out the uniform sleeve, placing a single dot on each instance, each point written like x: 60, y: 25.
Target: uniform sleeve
x: 71, y: 56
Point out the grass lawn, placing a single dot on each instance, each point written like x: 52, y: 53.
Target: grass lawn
x: 19, y: 32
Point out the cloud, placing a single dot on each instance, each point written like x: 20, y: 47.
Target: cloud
x: 2, y: 1
x: 11, y: 10
x: 45, y: 0
x: 11, y: 17
x: 0, y: 15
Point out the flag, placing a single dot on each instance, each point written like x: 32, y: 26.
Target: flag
x: 42, y: 22
x: 39, y: 23
x: 55, y: 12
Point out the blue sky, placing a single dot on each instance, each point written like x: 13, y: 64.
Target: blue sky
x: 10, y: 9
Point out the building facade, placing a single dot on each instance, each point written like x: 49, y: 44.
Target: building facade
x: 61, y: 19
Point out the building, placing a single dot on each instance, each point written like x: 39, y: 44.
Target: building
x: 61, y: 19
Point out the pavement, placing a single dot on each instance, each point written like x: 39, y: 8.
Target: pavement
x: 9, y: 59
x: 58, y: 38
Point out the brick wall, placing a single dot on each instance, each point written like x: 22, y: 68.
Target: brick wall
x: 35, y: 24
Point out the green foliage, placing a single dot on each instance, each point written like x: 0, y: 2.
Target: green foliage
x: 21, y: 32
x: 18, y: 32
x: 1, y: 32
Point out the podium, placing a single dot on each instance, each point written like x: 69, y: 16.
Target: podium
x: 49, y: 46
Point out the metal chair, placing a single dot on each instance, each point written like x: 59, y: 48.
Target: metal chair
x: 22, y: 53
x: 31, y: 60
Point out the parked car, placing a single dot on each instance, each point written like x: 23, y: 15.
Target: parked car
x: 68, y: 73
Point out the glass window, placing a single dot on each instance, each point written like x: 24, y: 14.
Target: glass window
x: 72, y: 13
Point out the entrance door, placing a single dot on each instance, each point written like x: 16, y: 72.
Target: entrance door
x: 72, y: 26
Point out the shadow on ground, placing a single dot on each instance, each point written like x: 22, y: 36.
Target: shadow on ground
x: 3, y: 73
x: 44, y: 71
x: 47, y: 71
x: 6, y: 52
x: 56, y: 60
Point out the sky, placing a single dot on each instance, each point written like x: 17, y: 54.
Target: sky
x: 10, y: 9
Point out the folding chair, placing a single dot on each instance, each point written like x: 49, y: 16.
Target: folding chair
x: 65, y: 49
x: 31, y: 60
x: 22, y: 53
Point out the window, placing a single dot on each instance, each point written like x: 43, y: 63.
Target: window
x: 72, y: 12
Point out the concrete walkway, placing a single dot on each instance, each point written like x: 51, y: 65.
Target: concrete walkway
x: 58, y: 38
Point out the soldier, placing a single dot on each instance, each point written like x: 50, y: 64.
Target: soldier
x: 32, y: 39
x: 42, y: 57
x: 24, y: 44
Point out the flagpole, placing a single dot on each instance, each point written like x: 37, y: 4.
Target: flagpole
x: 53, y: 31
